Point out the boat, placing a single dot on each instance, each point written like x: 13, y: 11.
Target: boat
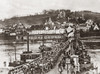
x: 26, y: 56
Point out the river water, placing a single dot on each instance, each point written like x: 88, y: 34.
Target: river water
x: 7, y: 52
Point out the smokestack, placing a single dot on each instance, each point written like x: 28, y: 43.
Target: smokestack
x: 27, y: 42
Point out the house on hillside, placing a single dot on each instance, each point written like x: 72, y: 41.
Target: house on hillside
x: 1, y: 28
x: 20, y: 29
x: 96, y: 27
x: 61, y: 14
x: 49, y: 24
x: 1, y: 31
x: 89, y: 23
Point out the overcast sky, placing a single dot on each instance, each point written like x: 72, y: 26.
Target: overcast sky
x: 9, y: 8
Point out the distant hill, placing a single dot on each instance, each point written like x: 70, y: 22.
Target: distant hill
x: 90, y: 15
x: 27, y: 20
x: 41, y: 18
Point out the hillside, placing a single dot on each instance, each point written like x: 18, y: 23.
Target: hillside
x: 91, y: 15
x: 41, y: 18
x: 27, y: 20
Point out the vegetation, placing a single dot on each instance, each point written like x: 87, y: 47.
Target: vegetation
x: 39, y: 19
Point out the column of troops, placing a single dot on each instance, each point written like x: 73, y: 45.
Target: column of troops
x: 42, y: 64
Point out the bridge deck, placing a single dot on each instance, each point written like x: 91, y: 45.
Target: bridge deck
x: 44, y: 61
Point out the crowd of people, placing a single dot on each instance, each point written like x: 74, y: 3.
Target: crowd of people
x: 44, y: 63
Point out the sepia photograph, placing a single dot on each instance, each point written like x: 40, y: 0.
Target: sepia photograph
x: 49, y: 36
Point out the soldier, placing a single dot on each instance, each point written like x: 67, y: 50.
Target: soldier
x: 4, y: 63
x: 60, y: 68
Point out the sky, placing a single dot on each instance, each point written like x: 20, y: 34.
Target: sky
x: 10, y: 8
